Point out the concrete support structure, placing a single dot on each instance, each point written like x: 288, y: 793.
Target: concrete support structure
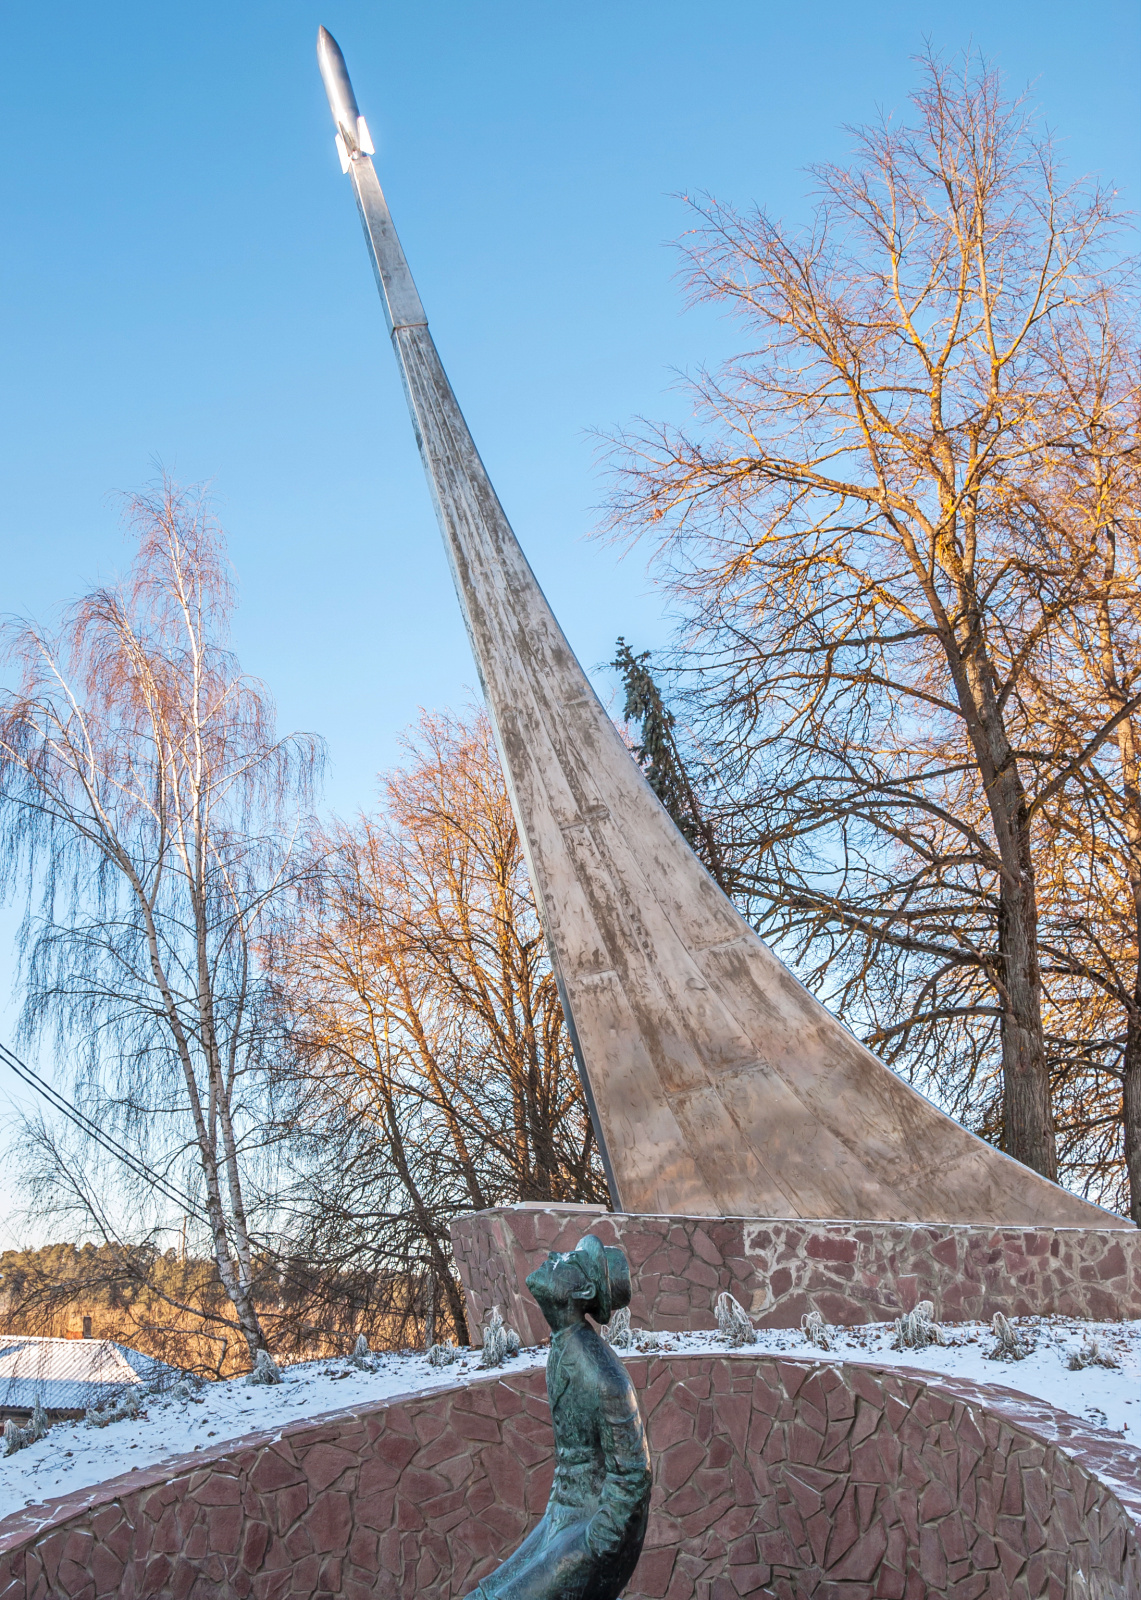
x: 718, y: 1084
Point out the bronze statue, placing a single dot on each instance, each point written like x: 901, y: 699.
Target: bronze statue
x: 590, y: 1537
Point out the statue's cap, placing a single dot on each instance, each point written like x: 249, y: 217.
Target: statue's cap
x: 609, y: 1272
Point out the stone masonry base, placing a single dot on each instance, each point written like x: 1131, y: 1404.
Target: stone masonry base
x: 779, y: 1268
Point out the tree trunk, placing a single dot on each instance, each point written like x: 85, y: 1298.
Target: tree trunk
x: 1131, y: 1064
x: 235, y: 1288
x: 1027, y: 1117
x: 1027, y: 1113
x: 457, y: 1307
x: 430, y: 1312
x: 1131, y: 1103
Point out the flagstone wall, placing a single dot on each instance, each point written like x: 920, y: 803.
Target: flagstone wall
x: 851, y: 1272
x: 799, y: 1480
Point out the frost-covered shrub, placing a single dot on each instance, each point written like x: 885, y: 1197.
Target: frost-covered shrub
x: 362, y: 1357
x: 15, y: 1437
x: 265, y: 1369
x: 815, y: 1330
x: 733, y: 1322
x: 1090, y: 1354
x: 124, y: 1409
x: 494, y: 1349
x: 500, y: 1341
x: 915, y: 1330
x: 617, y: 1331
x: 442, y: 1355
x: 167, y: 1381
x: 19, y: 1438
x: 1010, y: 1346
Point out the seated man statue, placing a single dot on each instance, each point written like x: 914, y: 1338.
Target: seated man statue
x: 590, y: 1537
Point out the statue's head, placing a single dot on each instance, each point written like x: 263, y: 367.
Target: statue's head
x: 592, y: 1278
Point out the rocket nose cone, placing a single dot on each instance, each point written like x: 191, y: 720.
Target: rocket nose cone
x: 330, y: 58
x: 342, y: 101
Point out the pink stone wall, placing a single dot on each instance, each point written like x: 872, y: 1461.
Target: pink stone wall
x: 798, y: 1480
x: 778, y: 1269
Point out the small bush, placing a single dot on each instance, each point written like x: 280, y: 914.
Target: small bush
x: 915, y: 1330
x: 265, y: 1369
x: 1090, y: 1354
x: 500, y: 1342
x: 124, y: 1409
x: 1011, y: 1346
x: 733, y: 1322
x: 816, y: 1330
x: 617, y: 1331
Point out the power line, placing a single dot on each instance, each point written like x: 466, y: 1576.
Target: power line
x: 111, y: 1145
x: 29, y: 1076
x: 83, y: 1122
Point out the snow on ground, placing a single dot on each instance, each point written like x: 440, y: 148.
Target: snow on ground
x: 74, y: 1456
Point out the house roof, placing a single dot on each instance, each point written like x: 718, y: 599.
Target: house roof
x: 70, y: 1374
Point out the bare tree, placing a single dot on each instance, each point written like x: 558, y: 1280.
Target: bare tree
x: 1088, y: 839
x: 424, y: 1012
x: 844, y: 527
x: 147, y: 805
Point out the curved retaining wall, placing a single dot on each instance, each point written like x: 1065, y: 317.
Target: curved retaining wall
x: 779, y: 1267
x: 772, y: 1477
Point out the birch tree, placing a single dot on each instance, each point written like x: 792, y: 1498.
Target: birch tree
x: 147, y: 807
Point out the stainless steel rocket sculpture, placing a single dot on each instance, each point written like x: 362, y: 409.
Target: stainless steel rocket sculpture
x: 717, y: 1084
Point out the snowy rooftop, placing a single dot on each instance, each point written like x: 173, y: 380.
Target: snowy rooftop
x: 70, y: 1374
x: 181, y: 1419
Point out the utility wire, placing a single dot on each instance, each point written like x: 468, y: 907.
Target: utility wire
x: 29, y: 1076
x: 111, y: 1145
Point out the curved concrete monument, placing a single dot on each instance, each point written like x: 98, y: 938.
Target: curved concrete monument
x: 717, y: 1084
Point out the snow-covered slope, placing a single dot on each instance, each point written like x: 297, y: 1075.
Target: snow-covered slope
x: 74, y: 1456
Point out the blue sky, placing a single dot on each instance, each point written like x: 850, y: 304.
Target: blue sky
x: 185, y: 283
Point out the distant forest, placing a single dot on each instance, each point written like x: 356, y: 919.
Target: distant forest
x: 176, y: 1310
